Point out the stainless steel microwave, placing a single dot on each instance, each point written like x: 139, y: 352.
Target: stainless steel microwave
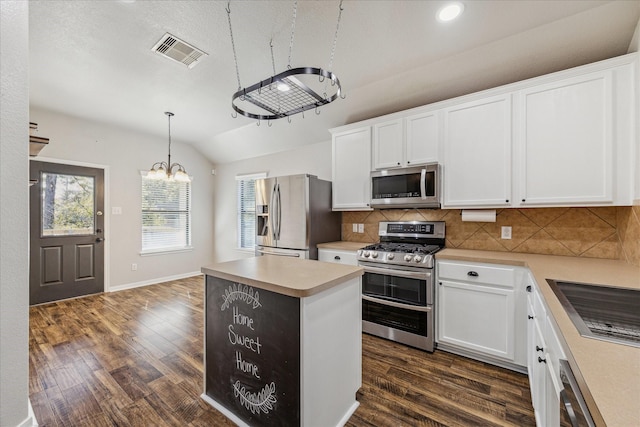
x: 414, y: 187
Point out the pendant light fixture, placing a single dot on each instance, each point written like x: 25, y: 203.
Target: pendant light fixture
x: 164, y: 170
x: 289, y: 92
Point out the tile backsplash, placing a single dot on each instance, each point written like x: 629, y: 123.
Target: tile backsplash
x: 598, y: 232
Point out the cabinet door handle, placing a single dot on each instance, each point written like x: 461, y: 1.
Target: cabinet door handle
x: 541, y: 360
x: 473, y: 274
x: 529, y: 288
x: 337, y: 258
x: 539, y: 348
x: 529, y: 316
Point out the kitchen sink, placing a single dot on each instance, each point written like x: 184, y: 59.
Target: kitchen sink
x: 601, y: 312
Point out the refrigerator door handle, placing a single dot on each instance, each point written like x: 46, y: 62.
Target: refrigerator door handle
x: 279, y: 211
x: 293, y: 255
x: 272, y: 212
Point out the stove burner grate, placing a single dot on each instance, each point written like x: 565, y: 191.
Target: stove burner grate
x: 411, y: 248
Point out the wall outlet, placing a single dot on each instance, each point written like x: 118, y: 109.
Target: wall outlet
x: 134, y: 267
x: 355, y: 228
x: 360, y: 228
x: 116, y: 210
x: 506, y: 233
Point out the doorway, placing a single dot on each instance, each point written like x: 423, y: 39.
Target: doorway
x: 66, y: 226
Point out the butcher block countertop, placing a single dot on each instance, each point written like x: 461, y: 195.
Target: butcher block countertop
x: 287, y: 276
x: 608, y: 373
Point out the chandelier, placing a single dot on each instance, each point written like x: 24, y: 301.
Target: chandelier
x: 165, y: 170
x: 289, y: 92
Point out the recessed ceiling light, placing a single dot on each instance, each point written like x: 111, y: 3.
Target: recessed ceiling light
x: 450, y: 11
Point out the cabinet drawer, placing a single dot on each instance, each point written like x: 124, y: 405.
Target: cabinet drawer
x: 477, y: 273
x: 337, y: 256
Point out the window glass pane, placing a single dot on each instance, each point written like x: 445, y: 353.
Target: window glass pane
x: 68, y: 204
x: 166, y: 215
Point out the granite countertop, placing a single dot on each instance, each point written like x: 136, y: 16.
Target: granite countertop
x: 287, y: 276
x: 608, y: 373
x: 343, y: 246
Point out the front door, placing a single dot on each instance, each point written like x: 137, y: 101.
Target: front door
x: 66, y: 255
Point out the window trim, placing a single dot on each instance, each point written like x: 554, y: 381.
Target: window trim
x: 244, y: 177
x: 174, y: 249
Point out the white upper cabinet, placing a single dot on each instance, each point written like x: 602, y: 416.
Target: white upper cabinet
x: 477, y: 153
x: 422, y: 135
x: 403, y: 142
x: 388, y: 144
x: 351, y: 188
x: 566, y: 141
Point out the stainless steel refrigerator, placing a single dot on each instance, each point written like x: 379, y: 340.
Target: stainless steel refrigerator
x: 293, y: 215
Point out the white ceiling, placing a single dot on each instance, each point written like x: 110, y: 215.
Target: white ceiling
x: 93, y: 59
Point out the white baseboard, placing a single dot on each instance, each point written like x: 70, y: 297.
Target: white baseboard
x: 227, y: 413
x: 30, y: 421
x: 152, y: 281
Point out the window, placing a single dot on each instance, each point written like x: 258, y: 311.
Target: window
x: 246, y: 195
x: 166, y: 215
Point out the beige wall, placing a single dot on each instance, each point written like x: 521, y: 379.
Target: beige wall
x: 602, y: 232
x: 125, y: 153
x: 14, y: 208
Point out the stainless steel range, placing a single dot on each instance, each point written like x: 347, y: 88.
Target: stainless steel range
x: 398, y: 286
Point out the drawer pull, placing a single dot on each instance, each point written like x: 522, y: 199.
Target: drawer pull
x: 337, y: 258
x: 529, y: 288
x: 472, y: 274
x: 529, y: 316
x: 539, y: 348
x: 541, y: 360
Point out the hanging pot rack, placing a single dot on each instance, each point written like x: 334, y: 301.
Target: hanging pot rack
x: 289, y: 92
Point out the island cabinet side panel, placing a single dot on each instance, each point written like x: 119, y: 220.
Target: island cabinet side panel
x: 331, y: 354
x: 252, y: 353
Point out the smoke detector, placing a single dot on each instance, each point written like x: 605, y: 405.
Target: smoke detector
x: 178, y: 50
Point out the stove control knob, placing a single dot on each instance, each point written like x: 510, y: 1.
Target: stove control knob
x: 365, y: 254
x: 408, y: 258
x: 417, y: 258
x: 374, y: 254
x: 390, y: 256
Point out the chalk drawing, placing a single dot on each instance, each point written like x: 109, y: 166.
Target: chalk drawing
x: 263, y: 401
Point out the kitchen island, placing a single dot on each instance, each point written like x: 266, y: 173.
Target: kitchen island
x: 283, y: 341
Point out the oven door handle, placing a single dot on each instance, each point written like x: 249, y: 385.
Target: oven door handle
x: 425, y: 308
x: 422, y: 275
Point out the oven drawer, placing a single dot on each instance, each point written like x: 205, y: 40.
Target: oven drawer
x: 477, y: 273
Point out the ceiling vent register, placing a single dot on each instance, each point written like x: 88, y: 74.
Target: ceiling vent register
x: 178, y: 50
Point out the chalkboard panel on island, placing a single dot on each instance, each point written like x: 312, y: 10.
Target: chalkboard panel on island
x: 280, y: 354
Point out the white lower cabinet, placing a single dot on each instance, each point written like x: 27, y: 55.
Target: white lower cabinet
x: 543, y: 360
x: 478, y: 309
x: 337, y: 256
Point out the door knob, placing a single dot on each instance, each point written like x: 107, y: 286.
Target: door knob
x: 99, y: 239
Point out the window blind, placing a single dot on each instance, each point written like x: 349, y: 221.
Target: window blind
x: 246, y: 199
x: 166, y: 215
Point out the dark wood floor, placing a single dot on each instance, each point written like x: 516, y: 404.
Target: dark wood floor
x: 134, y: 358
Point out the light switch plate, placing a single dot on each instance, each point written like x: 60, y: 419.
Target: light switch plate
x: 506, y: 232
